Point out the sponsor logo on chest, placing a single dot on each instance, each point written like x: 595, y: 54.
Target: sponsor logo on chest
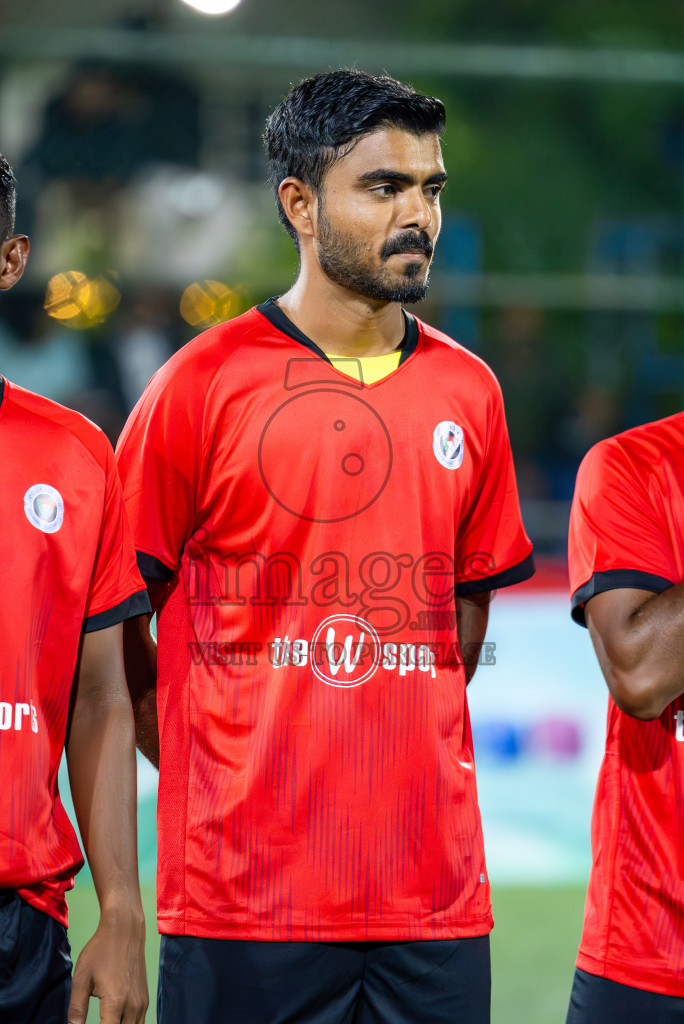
x: 346, y: 651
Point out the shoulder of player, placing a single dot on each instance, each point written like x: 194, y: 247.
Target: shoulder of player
x: 453, y: 354
x: 658, y: 436
x: 636, y: 451
x: 57, y: 422
x: 197, y: 363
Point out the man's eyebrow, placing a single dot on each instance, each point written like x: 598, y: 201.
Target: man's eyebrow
x: 387, y: 174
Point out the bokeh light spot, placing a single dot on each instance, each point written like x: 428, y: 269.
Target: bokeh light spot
x: 213, y: 6
x: 78, y: 301
x: 207, y: 303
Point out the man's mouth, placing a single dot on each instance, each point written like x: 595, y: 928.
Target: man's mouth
x: 411, y: 247
x: 411, y: 254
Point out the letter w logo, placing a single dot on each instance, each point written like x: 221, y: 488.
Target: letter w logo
x: 345, y: 652
x: 359, y: 654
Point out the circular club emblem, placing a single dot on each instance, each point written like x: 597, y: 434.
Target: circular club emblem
x: 44, y: 508
x: 345, y: 651
x: 448, y: 444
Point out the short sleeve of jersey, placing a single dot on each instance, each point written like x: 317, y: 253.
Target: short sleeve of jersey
x: 492, y: 548
x: 615, y: 539
x: 156, y: 457
x: 117, y: 591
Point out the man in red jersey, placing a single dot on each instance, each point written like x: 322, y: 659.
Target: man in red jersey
x: 69, y: 580
x: 322, y: 498
x: 626, y: 571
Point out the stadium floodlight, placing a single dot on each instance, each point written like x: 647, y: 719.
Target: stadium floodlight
x: 213, y: 6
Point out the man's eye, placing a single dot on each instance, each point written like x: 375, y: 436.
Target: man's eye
x: 384, y: 190
x: 433, y: 191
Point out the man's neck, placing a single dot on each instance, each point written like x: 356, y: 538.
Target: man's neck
x: 342, y: 323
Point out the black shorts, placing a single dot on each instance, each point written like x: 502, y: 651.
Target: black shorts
x: 595, y: 1000
x: 226, y: 981
x: 35, y: 964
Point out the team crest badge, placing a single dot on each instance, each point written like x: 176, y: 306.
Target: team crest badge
x: 448, y: 444
x: 44, y: 508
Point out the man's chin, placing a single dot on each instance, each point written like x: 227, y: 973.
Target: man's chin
x: 412, y: 296
x: 408, y: 289
x: 405, y: 288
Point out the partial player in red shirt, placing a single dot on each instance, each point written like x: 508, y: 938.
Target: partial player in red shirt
x: 323, y: 499
x: 627, y: 570
x: 68, y: 580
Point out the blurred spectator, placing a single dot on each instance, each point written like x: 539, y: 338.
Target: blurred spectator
x: 107, y: 123
x: 111, y: 120
x: 537, y: 396
x: 553, y: 418
x: 142, y: 339
x: 40, y: 355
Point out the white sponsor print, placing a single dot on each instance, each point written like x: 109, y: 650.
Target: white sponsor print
x: 358, y: 653
x: 345, y: 651
x: 12, y: 716
x: 679, y: 729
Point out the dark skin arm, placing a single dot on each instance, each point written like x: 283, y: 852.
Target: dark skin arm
x: 472, y: 615
x: 140, y: 653
x: 100, y: 752
x: 638, y: 637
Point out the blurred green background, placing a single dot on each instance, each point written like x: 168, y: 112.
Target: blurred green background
x: 135, y: 131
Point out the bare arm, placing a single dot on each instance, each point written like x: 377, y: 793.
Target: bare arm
x: 141, y: 673
x: 472, y: 617
x: 638, y: 637
x: 140, y: 653
x: 101, y: 760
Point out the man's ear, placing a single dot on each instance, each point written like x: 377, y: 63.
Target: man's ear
x: 299, y: 204
x: 13, y: 256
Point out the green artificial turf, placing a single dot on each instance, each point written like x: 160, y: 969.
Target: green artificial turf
x: 534, y: 945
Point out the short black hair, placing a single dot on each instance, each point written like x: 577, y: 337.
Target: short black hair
x: 321, y: 118
x: 8, y: 199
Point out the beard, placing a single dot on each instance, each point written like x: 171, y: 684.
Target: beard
x: 346, y: 262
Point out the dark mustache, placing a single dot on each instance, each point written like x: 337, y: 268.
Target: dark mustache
x: 407, y: 240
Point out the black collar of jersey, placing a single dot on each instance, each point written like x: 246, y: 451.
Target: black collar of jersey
x: 2, y: 388
x: 275, y: 316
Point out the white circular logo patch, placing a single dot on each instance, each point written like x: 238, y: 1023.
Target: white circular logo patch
x: 44, y: 508
x: 448, y: 444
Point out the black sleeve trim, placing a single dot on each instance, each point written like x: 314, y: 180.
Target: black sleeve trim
x: 152, y: 568
x: 506, y: 578
x: 136, y: 604
x: 615, y: 579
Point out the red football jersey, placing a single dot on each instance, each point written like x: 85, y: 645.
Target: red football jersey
x: 627, y: 530
x: 316, y: 777
x: 68, y: 567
